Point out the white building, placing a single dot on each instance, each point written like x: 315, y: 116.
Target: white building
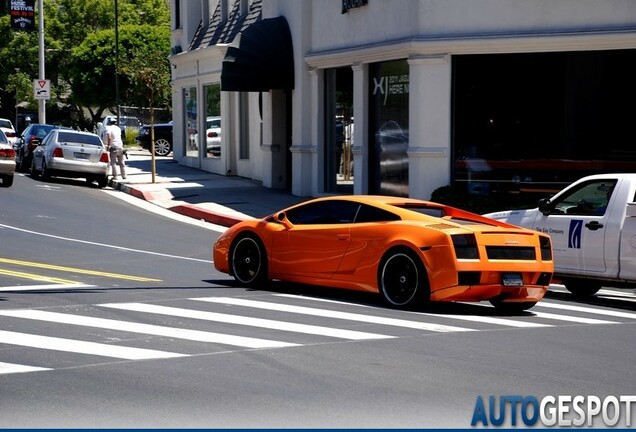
x: 497, y: 94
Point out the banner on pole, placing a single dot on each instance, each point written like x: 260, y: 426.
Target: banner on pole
x: 23, y: 15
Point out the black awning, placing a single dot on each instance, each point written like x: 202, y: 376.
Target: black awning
x: 260, y: 58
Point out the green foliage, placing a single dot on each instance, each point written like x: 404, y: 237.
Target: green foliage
x: 459, y: 197
x: 70, y: 24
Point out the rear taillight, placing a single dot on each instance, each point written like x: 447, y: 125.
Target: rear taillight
x: 7, y: 153
x: 465, y: 246
x: 104, y: 157
x: 212, y: 134
x: 546, y: 248
x: 33, y: 142
x: 58, y: 152
x: 10, y: 134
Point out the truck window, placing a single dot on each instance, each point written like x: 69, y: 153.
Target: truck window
x: 589, y: 199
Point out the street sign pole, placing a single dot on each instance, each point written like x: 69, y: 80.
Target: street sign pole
x: 41, y: 76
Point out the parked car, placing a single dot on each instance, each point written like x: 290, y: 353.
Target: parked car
x: 213, y: 135
x: 407, y: 250
x: 7, y: 127
x: 69, y: 153
x: 163, y: 138
x: 7, y: 161
x: 125, y: 123
x: 28, y: 142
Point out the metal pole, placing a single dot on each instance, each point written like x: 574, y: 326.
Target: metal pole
x: 117, y: 60
x: 17, y: 70
x: 42, y: 76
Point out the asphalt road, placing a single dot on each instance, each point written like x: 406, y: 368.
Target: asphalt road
x: 112, y: 316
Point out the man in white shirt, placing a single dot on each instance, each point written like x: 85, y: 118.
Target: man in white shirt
x: 115, y: 147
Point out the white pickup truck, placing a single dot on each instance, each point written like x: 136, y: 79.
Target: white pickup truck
x: 592, y: 224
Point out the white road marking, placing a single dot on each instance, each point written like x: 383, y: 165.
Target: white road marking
x: 82, y: 347
x: 612, y: 313
x: 472, y: 318
x: 121, y: 248
x: 7, y: 368
x: 241, y: 320
x: 149, y: 329
x: 333, y: 314
x: 571, y: 318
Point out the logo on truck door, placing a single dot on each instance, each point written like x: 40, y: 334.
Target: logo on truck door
x: 574, y: 236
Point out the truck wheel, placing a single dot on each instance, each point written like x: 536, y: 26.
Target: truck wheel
x: 581, y: 287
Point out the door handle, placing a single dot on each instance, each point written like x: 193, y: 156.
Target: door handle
x: 594, y: 225
x: 343, y: 236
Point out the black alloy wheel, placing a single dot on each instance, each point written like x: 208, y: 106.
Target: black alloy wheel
x: 402, y: 279
x: 249, y: 261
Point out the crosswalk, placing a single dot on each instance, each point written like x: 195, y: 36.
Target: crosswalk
x: 132, y: 331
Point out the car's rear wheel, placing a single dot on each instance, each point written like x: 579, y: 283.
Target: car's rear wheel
x: 512, y: 307
x: 249, y: 261
x: 402, y: 279
x: 7, y: 181
x: 162, y: 147
x: 102, y: 182
x: 581, y: 287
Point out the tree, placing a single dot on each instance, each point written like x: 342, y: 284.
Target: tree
x: 92, y: 68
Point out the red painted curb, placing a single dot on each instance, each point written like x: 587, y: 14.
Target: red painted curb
x: 206, y: 215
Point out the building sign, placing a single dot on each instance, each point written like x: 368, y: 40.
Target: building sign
x: 23, y: 15
x: 389, y: 122
x: 351, y: 4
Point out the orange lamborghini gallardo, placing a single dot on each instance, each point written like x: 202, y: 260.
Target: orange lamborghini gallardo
x: 407, y: 250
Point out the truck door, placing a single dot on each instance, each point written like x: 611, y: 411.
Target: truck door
x: 577, y: 222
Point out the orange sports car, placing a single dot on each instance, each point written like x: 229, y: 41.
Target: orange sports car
x: 409, y: 251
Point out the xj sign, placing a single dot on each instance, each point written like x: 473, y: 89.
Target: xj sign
x: 42, y: 89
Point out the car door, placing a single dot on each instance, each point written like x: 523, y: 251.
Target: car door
x: 316, y: 243
x: 577, y: 225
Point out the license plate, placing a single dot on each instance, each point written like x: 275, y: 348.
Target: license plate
x: 84, y: 156
x: 512, y: 279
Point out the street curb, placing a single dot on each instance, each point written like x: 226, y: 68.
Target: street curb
x: 163, y: 198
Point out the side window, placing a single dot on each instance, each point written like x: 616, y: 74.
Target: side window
x: 372, y: 214
x: 590, y: 199
x: 324, y: 212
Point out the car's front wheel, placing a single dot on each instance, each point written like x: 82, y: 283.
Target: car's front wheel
x: 248, y: 259
x: 34, y: 171
x: 162, y: 147
x: 402, y: 279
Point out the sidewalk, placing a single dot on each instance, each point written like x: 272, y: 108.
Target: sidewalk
x: 217, y: 199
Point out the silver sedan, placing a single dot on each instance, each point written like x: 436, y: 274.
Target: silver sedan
x: 7, y: 161
x: 69, y: 153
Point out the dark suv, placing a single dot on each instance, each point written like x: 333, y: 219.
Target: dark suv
x: 30, y: 138
x: 163, y: 138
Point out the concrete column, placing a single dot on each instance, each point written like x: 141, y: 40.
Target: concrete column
x: 316, y: 84
x: 360, y: 147
x: 429, y: 124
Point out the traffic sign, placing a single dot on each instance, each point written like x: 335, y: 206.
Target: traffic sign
x: 42, y: 89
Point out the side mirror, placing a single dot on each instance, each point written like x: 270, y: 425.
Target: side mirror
x: 545, y: 206
x: 282, y: 218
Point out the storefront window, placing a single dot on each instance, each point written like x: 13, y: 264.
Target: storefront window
x: 339, y: 130
x: 190, y: 121
x: 212, y: 95
x: 389, y: 128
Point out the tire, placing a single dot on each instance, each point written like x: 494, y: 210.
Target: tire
x: 248, y: 260
x: 34, y: 172
x: 102, y: 182
x: 582, y: 287
x: 44, y: 172
x: 512, y: 307
x: 402, y: 279
x: 162, y: 147
x: 7, y: 181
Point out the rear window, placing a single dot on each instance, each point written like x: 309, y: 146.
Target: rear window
x: 79, y: 138
x: 6, y: 124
